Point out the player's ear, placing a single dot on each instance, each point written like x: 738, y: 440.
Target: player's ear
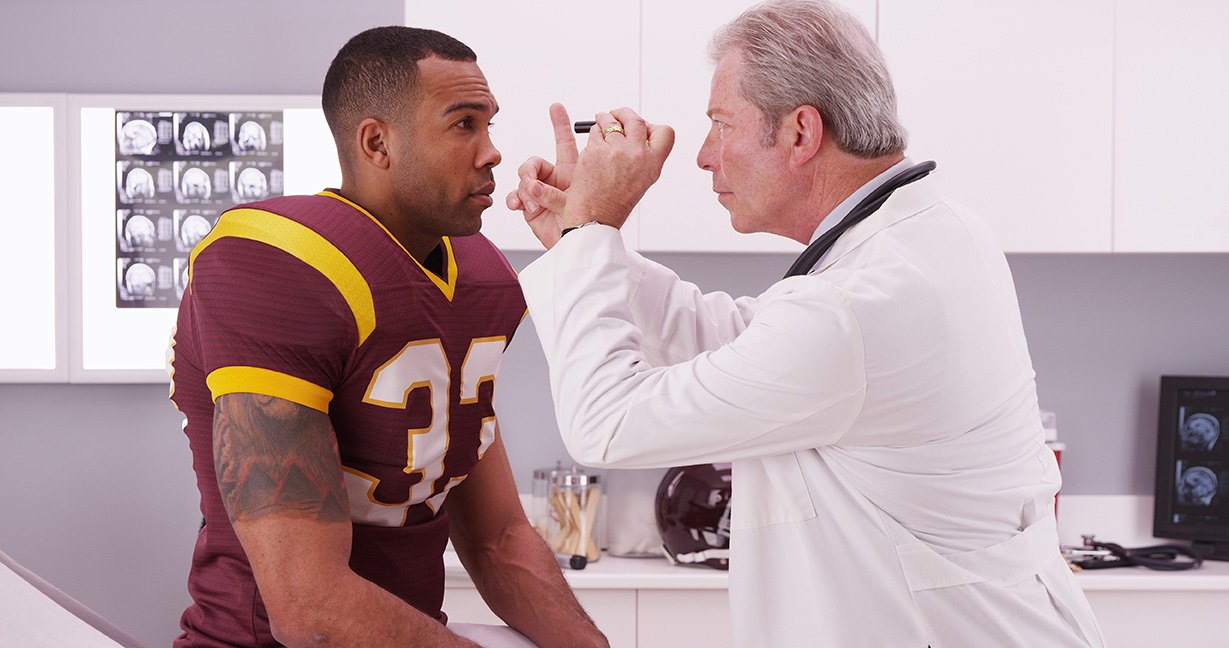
x: 372, y: 142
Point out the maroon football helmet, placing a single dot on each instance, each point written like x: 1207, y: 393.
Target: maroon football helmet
x: 693, y: 515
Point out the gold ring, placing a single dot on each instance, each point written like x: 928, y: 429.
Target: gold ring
x: 613, y: 128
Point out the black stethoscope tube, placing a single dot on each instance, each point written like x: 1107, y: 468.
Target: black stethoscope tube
x: 866, y: 207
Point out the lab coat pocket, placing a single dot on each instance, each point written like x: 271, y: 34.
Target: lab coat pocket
x: 769, y: 491
x: 1022, y: 556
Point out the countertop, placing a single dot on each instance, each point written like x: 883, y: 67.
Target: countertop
x: 1212, y: 576
x: 656, y: 573
x: 611, y: 572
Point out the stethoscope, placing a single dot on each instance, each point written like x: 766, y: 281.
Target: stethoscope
x: 1103, y: 555
x: 868, y: 205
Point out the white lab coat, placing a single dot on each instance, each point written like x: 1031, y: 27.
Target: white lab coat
x: 891, y: 482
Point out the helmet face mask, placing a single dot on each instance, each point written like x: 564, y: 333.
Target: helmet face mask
x: 693, y: 515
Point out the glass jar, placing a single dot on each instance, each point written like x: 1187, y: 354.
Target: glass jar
x: 568, y: 513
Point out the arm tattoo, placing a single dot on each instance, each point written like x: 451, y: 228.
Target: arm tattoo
x: 273, y: 456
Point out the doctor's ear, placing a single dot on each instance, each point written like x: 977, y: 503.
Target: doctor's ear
x: 803, y: 129
x: 372, y: 140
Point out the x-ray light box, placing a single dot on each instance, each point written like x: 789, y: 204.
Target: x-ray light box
x: 32, y: 255
x: 155, y: 173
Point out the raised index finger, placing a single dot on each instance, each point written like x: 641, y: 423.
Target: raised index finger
x: 565, y: 141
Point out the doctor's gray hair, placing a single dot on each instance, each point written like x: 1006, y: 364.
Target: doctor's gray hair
x: 812, y: 52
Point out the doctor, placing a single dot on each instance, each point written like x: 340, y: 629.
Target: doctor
x: 891, y: 482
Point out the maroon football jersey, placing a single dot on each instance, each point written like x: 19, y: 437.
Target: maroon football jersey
x: 310, y: 299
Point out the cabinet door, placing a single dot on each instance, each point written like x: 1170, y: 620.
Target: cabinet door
x: 673, y: 618
x: 1014, y: 102
x: 681, y: 213
x: 534, y: 54
x: 614, y: 611
x: 1150, y: 618
x: 1170, y: 132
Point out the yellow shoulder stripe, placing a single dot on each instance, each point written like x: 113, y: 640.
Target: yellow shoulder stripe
x: 306, y: 245
x: 255, y: 380
x: 449, y: 286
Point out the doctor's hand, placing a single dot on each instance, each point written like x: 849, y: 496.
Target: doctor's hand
x: 623, y: 158
x: 540, y: 195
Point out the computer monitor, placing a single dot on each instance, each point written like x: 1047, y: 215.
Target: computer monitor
x: 1192, y: 467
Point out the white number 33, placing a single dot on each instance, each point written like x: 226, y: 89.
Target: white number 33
x: 423, y: 364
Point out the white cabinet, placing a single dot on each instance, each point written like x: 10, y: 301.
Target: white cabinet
x: 1169, y: 124
x: 670, y: 618
x: 586, y: 57
x: 636, y: 602
x: 1014, y: 102
x: 630, y: 618
x: 1141, y: 608
x: 1091, y: 126
x: 647, y: 56
x: 681, y: 212
x: 613, y: 610
x: 1147, y: 619
x: 643, y: 603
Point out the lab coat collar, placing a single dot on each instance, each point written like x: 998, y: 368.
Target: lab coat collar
x: 904, y: 202
x: 842, y: 210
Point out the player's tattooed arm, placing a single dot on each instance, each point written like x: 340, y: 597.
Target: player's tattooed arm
x: 281, y: 480
x: 276, y: 457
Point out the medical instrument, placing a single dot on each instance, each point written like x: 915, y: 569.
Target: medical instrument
x: 1104, y: 555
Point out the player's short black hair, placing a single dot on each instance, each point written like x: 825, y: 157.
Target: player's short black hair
x: 376, y: 71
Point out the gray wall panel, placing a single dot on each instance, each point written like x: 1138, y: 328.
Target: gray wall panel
x: 179, y: 47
